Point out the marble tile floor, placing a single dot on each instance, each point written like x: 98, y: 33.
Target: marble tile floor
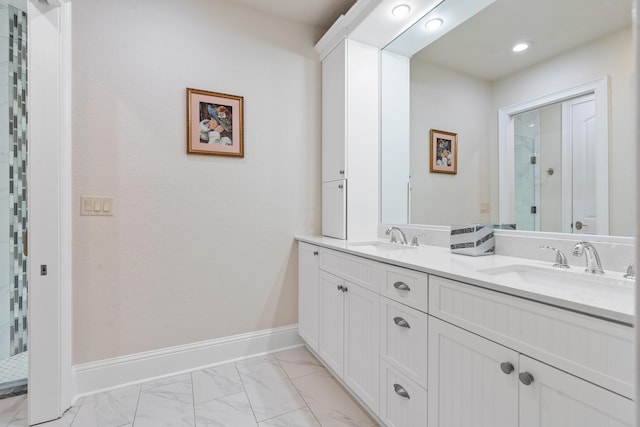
x: 285, y: 389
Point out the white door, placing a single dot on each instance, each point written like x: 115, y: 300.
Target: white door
x: 362, y: 338
x: 331, y: 321
x: 557, y: 399
x: 49, y: 200
x: 308, y: 261
x: 585, y: 181
x: 472, y: 381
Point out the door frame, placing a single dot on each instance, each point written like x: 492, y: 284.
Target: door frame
x: 599, y: 87
x: 50, y: 209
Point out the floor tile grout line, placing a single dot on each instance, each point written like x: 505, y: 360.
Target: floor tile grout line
x: 135, y: 413
x: 193, y: 399
x: 253, y: 412
x: 307, y: 403
x: 289, y: 412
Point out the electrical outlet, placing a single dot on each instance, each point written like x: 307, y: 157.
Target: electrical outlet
x: 96, y: 206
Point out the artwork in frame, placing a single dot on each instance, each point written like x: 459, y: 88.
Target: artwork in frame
x: 214, y: 123
x: 444, y: 152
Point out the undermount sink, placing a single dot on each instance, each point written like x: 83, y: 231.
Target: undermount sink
x: 377, y: 245
x: 575, y: 278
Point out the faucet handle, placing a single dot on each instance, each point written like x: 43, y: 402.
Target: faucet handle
x: 561, y: 259
x: 631, y: 271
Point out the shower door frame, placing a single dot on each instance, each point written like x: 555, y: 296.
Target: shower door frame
x: 50, y: 373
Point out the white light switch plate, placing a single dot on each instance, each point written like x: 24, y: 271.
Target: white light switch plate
x: 96, y: 206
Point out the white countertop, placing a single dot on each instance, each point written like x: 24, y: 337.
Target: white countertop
x: 614, y: 302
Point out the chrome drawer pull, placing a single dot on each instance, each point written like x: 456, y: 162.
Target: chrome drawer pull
x: 401, y: 286
x: 400, y: 391
x: 401, y: 322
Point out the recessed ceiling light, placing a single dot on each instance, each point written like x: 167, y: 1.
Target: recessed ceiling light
x: 521, y: 47
x: 400, y: 10
x: 433, y: 24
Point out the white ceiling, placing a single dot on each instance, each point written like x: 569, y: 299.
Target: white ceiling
x: 319, y: 13
x: 482, y: 45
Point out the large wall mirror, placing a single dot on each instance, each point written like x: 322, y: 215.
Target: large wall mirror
x: 532, y: 169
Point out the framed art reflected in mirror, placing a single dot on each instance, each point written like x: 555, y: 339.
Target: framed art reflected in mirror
x: 444, y: 152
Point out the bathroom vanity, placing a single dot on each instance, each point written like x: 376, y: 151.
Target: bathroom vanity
x: 421, y: 336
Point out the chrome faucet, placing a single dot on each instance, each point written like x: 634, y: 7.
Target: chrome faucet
x: 593, y: 259
x: 631, y: 271
x: 561, y: 259
x: 395, y: 232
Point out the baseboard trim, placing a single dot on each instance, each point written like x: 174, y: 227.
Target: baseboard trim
x: 93, y: 377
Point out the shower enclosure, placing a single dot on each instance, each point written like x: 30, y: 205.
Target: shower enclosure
x: 13, y: 197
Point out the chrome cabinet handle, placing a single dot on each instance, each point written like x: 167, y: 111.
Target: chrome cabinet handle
x: 401, y: 286
x: 341, y: 171
x: 507, y: 367
x: 345, y: 289
x: 400, y: 391
x: 525, y: 378
x: 341, y: 186
x: 315, y: 253
x: 340, y: 288
x: 401, y: 322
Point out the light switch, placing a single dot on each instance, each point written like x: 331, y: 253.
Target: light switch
x: 96, y: 206
x: 87, y: 204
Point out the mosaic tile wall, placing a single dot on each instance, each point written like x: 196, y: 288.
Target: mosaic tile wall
x: 18, y: 217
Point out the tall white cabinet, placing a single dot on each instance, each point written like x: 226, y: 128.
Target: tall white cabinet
x: 350, y: 141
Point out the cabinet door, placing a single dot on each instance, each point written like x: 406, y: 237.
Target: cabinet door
x: 334, y: 68
x: 467, y: 386
x: 334, y: 209
x: 308, y: 262
x: 362, y: 356
x: 558, y: 399
x: 331, y: 322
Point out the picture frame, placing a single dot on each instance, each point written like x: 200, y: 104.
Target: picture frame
x: 444, y: 152
x: 215, y: 123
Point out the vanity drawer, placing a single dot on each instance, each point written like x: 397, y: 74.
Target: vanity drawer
x: 404, y: 339
x: 596, y: 350
x: 406, y: 286
x: 403, y: 403
x: 352, y: 268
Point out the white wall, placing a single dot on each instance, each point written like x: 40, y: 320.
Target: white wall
x: 610, y: 56
x: 449, y: 101
x: 199, y: 247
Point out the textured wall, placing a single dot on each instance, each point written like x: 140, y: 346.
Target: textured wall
x: 199, y: 247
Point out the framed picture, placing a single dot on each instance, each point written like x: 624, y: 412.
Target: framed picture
x: 444, y: 152
x: 214, y: 123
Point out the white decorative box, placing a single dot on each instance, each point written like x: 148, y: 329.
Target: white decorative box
x: 473, y: 239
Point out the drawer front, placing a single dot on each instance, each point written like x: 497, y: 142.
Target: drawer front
x: 406, y: 286
x: 404, y: 339
x: 593, y: 349
x: 403, y: 403
x: 352, y: 268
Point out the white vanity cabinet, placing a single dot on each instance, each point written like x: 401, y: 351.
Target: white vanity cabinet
x: 349, y: 335
x: 496, y: 381
x: 308, y: 269
x: 350, y: 141
x: 476, y: 382
x: 418, y: 349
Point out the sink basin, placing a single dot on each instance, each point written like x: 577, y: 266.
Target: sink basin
x: 551, y: 277
x: 382, y: 246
